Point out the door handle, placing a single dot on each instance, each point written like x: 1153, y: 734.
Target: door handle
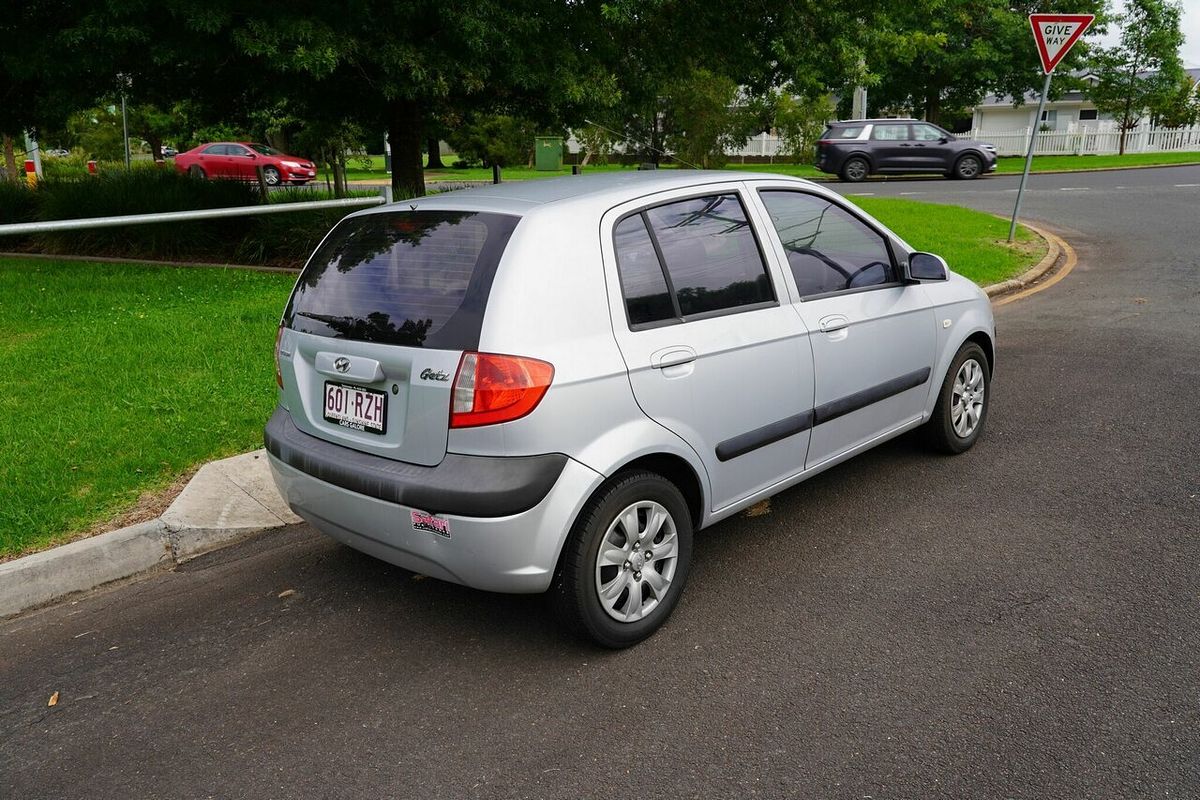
x: 672, y: 357
x: 833, y: 322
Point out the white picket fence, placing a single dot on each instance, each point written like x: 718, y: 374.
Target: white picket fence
x: 1081, y: 141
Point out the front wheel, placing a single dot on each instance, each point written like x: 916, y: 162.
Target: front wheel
x: 962, y: 404
x: 271, y: 176
x: 625, y: 562
x: 967, y: 168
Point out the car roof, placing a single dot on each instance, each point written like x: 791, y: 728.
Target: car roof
x: 606, y: 188
x: 874, y: 119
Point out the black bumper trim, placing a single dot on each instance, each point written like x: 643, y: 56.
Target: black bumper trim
x: 469, y: 486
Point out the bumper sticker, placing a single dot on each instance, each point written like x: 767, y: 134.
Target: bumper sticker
x: 428, y: 522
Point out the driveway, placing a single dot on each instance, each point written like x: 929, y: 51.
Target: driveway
x: 1021, y: 621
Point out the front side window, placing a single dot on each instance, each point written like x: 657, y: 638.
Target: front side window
x: 890, y: 133
x: 828, y: 248
x: 926, y: 133
x: 238, y: 150
x: 706, y: 254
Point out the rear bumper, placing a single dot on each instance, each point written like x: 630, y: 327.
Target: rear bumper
x: 513, y: 551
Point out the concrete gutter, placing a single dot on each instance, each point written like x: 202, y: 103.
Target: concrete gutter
x: 235, y: 498
x: 226, y: 501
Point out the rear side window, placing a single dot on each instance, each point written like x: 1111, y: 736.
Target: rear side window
x: 647, y: 298
x: 412, y: 278
x: 844, y: 132
x: 705, y: 254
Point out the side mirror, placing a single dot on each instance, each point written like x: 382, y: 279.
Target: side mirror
x: 927, y: 267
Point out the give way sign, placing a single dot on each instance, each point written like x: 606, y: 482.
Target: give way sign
x: 1055, y: 34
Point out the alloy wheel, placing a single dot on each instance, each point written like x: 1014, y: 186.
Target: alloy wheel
x: 636, y: 561
x: 966, y: 404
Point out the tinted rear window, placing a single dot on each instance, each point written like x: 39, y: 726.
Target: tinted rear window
x: 411, y: 278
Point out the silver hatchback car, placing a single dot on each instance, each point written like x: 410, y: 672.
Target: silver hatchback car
x: 549, y: 386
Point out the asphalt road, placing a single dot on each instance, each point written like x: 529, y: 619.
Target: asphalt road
x: 1022, y: 621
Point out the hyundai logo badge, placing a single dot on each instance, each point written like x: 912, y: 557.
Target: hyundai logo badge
x: 342, y: 364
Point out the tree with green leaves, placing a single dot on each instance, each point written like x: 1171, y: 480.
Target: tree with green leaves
x: 800, y: 121
x: 1143, y: 70
x: 938, y: 58
x: 1180, y: 108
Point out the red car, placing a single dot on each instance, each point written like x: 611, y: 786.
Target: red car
x: 240, y: 161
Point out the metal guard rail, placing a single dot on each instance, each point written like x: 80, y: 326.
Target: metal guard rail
x: 184, y: 216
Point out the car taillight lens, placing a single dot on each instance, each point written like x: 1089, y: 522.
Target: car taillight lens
x: 492, y: 388
x: 278, y: 371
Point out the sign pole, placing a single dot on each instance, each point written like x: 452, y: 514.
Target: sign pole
x: 1037, y: 122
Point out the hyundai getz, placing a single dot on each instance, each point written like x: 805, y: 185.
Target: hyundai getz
x: 549, y: 386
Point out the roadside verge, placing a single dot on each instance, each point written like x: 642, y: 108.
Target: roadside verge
x: 225, y: 502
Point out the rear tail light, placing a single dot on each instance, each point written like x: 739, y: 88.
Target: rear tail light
x: 491, y: 388
x: 278, y: 370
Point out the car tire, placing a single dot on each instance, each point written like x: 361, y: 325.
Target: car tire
x: 589, y: 563
x: 271, y: 176
x: 962, y: 403
x: 855, y: 170
x: 967, y: 168
x: 196, y: 172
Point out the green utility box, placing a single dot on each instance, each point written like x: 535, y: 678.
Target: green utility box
x: 548, y: 152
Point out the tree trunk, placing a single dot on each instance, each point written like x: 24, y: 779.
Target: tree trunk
x: 10, y: 158
x: 406, y: 135
x: 339, y: 178
x: 933, y: 106
x: 155, y: 143
x: 435, y: 153
x: 1125, y: 126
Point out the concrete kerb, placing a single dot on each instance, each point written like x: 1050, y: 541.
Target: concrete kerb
x: 1054, y: 248
x: 233, y: 498
x: 227, y: 501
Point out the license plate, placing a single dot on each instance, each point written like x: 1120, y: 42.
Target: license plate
x: 355, y: 407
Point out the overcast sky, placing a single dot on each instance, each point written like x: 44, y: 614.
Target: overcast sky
x: 1190, y: 52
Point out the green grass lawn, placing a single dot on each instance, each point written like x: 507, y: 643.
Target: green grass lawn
x: 974, y: 244
x: 118, y: 379
x: 121, y: 378
x: 1069, y: 163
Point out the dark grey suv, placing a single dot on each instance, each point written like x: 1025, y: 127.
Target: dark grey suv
x: 855, y: 149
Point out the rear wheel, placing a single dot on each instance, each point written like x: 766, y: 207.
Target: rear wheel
x: 626, y: 560
x: 196, y: 172
x: 855, y: 169
x: 962, y: 404
x: 967, y: 168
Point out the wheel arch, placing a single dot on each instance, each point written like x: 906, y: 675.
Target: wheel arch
x: 679, y: 472
x: 982, y: 339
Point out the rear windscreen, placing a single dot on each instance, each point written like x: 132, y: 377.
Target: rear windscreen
x: 412, y: 278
